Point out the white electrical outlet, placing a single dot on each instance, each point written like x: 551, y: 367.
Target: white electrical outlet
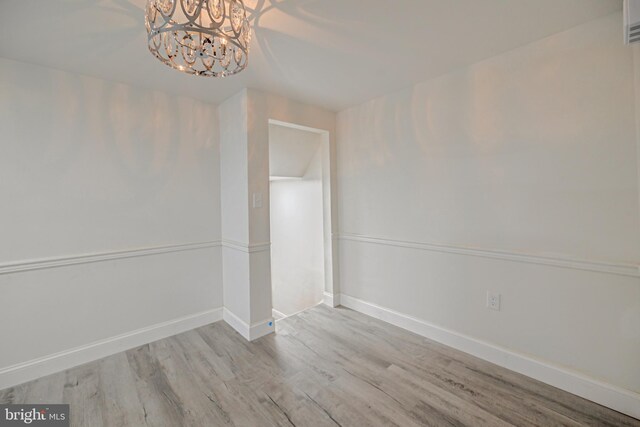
x: 493, y: 301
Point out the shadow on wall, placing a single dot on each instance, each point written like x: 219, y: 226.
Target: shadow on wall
x: 139, y: 133
x: 88, y: 155
x: 513, y: 143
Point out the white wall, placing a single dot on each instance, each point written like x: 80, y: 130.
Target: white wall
x: 119, y: 184
x: 636, y: 62
x: 234, y: 178
x: 297, y: 259
x: 516, y: 175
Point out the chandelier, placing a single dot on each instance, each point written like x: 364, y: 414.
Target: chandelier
x: 202, y: 37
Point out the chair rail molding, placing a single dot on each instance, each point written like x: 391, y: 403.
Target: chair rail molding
x: 44, y: 263
x: 246, y: 247
x: 607, y: 267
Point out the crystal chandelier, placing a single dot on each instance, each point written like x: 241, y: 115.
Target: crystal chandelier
x: 201, y: 37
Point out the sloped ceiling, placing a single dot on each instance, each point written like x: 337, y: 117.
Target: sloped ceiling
x: 291, y: 151
x: 333, y: 53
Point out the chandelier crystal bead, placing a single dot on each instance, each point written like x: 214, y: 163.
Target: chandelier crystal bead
x: 202, y: 37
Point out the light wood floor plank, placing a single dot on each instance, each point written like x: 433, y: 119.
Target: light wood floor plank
x: 324, y: 367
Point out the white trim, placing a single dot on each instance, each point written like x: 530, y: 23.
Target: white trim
x: 616, y: 398
x: 329, y: 193
x: 236, y: 323
x: 622, y: 269
x: 259, y: 247
x: 278, y: 315
x: 247, y: 248
x: 250, y: 333
x: 40, y: 367
x: 43, y: 263
x: 332, y: 300
x: 274, y: 178
x: 284, y: 316
x: 298, y: 127
x: 261, y: 329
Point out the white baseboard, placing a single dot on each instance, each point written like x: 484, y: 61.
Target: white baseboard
x: 281, y: 316
x: 33, y: 369
x: 249, y: 332
x: 261, y: 329
x: 332, y: 300
x: 236, y: 323
x: 278, y: 315
x: 608, y: 395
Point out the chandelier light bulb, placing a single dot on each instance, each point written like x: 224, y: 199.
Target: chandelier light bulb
x: 202, y: 37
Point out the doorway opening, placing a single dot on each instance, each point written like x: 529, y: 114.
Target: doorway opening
x: 298, y: 161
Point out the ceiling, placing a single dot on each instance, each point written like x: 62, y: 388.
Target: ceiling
x: 332, y: 53
x: 291, y: 151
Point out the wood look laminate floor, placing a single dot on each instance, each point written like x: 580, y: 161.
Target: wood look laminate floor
x: 324, y: 367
